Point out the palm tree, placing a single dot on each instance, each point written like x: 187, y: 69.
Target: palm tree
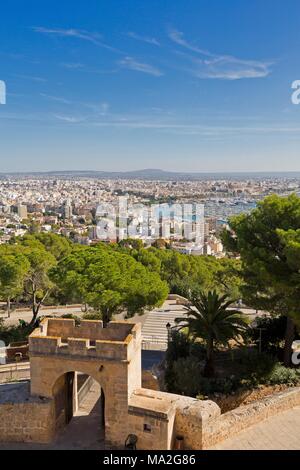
x: 210, y: 318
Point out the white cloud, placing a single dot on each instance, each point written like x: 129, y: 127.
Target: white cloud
x: 146, y: 39
x: 30, y: 77
x: 73, y: 65
x: 100, y: 109
x: 94, y: 38
x: 226, y: 67
x: 70, y: 119
x: 132, y: 64
x: 55, y: 98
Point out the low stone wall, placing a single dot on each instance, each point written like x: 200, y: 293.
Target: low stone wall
x: 84, y: 389
x: 235, y: 421
x: 246, y: 397
x: 14, y: 372
x: 23, y: 418
x: 192, y: 418
x: 158, y: 417
x: 180, y: 300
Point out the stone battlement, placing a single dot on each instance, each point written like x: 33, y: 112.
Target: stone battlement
x: 88, y: 339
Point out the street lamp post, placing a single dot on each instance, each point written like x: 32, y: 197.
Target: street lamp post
x: 168, y: 326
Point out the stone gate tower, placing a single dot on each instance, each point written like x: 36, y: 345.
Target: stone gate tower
x: 112, y: 356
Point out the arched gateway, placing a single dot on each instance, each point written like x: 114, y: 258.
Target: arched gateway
x: 111, y: 356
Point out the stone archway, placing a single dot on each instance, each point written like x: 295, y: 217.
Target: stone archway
x: 112, y: 356
x: 79, y: 411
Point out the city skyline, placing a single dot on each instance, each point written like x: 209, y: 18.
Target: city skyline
x: 190, y: 87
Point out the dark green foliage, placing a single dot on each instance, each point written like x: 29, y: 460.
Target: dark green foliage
x: 211, y: 319
x: 283, y: 375
x: 246, y: 370
x: 16, y: 333
x: 186, y: 373
x: 71, y: 316
x: 185, y: 272
x: 272, y: 335
x: 268, y: 240
x: 181, y: 347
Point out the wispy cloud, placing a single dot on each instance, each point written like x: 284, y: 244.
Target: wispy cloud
x: 175, y: 126
x: 101, y: 109
x: 77, y: 66
x: 55, y: 98
x: 146, y: 39
x: 31, y: 77
x: 206, y: 64
x: 70, y: 119
x: 84, y: 35
x: 72, y: 65
x: 132, y: 64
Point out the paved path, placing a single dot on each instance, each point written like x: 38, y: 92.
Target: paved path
x: 280, y: 432
x: 26, y: 315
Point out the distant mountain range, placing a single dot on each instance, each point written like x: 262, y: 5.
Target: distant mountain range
x: 151, y: 174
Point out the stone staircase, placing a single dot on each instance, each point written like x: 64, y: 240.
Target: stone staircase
x: 154, y: 331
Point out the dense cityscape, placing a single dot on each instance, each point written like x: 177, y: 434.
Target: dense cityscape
x: 67, y: 205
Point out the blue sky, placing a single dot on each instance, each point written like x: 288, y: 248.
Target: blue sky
x: 189, y: 85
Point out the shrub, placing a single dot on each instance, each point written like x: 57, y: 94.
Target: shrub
x: 282, y: 375
x: 255, y: 367
x: 15, y: 333
x: 181, y: 346
x: 273, y: 333
x: 92, y: 316
x: 224, y: 385
x: 186, y: 376
x: 72, y: 317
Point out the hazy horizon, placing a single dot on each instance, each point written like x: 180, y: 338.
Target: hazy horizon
x: 152, y: 172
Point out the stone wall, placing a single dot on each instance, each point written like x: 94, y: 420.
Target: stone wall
x: 84, y: 390
x: 235, y: 421
x: 192, y: 418
x: 26, y: 422
x: 151, y: 417
x: 14, y: 372
x: 158, y: 417
x: 23, y: 418
x: 91, y: 329
x: 179, y: 299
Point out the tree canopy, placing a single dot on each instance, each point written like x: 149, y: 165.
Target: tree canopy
x: 109, y: 281
x: 268, y: 241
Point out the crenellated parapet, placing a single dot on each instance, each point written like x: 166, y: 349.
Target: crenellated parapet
x: 62, y: 337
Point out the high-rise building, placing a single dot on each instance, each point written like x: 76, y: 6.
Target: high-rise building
x: 22, y: 211
x: 68, y: 209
